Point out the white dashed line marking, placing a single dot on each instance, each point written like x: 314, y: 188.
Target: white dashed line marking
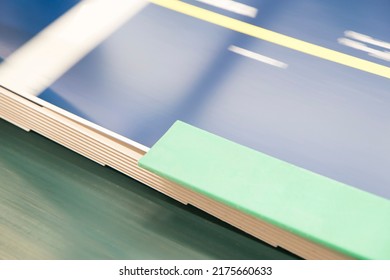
x: 366, y: 39
x: 258, y: 57
x: 232, y: 6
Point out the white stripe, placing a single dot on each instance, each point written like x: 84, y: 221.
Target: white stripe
x: 353, y: 44
x: 258, y: 57
x: 381, y: 55
x: 46, y: 57
x: 232, y: 6
x: 363, y: 47
x: 366, y: 39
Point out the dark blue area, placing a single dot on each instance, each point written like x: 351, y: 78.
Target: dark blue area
x: 31, y: 16
x: 20, y: 20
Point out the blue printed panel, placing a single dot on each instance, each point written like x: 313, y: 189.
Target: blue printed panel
x: 163, y: 66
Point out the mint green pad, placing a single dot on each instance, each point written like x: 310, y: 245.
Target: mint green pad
x: 343, y: 218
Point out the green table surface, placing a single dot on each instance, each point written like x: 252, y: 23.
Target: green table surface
x: 56, y: 204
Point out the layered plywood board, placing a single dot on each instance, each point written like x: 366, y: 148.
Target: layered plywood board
x: 113, y: 97
x: 123, y: 157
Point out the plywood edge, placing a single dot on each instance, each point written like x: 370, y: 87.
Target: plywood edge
x: 105, y: 150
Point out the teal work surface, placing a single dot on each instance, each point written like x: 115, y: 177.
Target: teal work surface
x: 343, y: 218
x: 55, y: 204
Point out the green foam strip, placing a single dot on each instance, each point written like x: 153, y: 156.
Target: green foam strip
x: 312, y: 206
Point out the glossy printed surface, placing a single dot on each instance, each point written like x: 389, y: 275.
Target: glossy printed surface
x: 164, y: 66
